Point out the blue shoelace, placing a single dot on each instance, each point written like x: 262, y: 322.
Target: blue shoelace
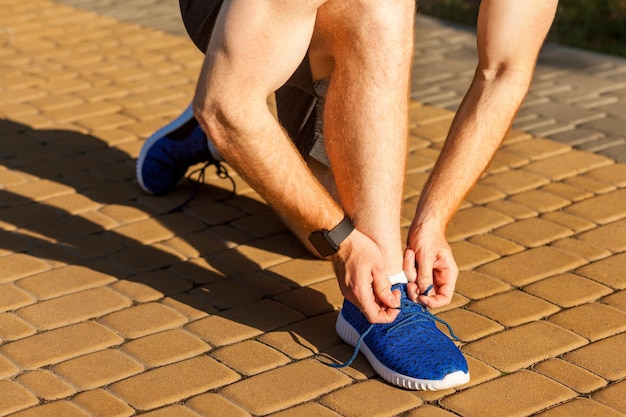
x: 416, y: 314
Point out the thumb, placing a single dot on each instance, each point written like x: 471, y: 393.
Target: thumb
x: 424, y: 274
x: 382, y: 291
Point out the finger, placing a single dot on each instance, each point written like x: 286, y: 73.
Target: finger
x: 373, y: 311
x: 382, y: 291
x: 424, y: 274
x: 409, y: 266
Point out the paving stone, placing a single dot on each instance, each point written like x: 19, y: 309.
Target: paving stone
x: 20, y: 265
x: 613, y: 396
x: 12, y: 298
x: 513, y: 308
x: 304, y: 338
x: 514, y: 181
x: 14, y: 398
x: 617, y: 300
x: 53, y: 409
x: 285, y: 387
x: 315, y: 299
x: 61, y: 281
x: 13, y: 328
x: 214, y: 404
x: 475, y: 221
x: 519, y: 394
x: 580, y: 406
x: 532, y: 232
x: 516, y: 211
x: 468, y: 256
x: 612, y: 174
x: 73, y: 308
x: 362, y: 399
x: 189, y: 306
x: 532, y: 265
x: 146, y: 258
x: 577, y: 224
x: 225, y: 294
x: 582, y: 320
x: 567, y: 165
x: 428, y: 411
x: 475, y: 285
x: 221, y: 331
x: 603, y: 357
x: 60, y: 344
x: 88, y: 372
x: 496, y: 244
x: 151, y: 286
x: 469, y: 326
x: 524, y: 345
x: 540, y: 201
x: 591, y: 184
x: 102, y: 404
x: 536, y: 149
x: 607, y: 271
x: 570, y: 375
x: 568, y: 290
x: 601, y: 209
x: 45, y: 385
x: 567, y: 191
x: 143, y: 319
x: 611, y: 236
x: 307, y: 410
x: 172, y: 411
x: 196, y: 244
x: 250, y: 357
x: 166, y: 347
x: 172, y: 383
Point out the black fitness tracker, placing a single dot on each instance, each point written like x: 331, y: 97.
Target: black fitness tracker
x: 327, y: 242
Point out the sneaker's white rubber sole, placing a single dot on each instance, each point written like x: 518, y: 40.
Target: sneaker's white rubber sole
x: 183, y: 118
x: 348, y: 334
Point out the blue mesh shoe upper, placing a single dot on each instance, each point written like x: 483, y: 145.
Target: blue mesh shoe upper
x: 166, y: 155
x: 412, y: 346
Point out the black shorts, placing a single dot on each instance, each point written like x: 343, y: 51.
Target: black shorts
x: 299, y: 102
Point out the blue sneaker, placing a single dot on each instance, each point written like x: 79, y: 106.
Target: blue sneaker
x: 169, y: 152
x: 411, y: 352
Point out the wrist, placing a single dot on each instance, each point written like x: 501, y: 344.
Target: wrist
x: 328, y: 242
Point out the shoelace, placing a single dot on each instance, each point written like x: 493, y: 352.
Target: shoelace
x: 421, y: 313
x: 221, y: 172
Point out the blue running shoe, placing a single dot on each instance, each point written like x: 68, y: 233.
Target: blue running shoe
x: 411, y: 352
x: 169, y: 152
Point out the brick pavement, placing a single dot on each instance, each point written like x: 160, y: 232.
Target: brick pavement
x: 109, y: 308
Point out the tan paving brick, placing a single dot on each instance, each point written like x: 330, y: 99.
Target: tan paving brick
x: 214, y: 404
x: 73, y: 308
x: 475, y: 221
x: 146, y: 258
x: 12, y: 297
x: 54, y: 409
x: 475, y: 285
x: 603, y: 357
x: 567, y: 191
x: 520, y: 394
x: 151, y: 286
x: 428, y: 411
x: 532, y: 232
x: 617, y: 300
x: 613, y: 396
x: 611, y: 236
x: 102, y: 404
x: 315, y: 299
x: 7, y: 368
x: 590, y: 184
x: 611, y: 174
x: 13, y: 328
x: 225, y: 294
x: 536, y: 149
x: 580, y: 407
x: 524, y: 345
x: 503, y: 161
x: 304, y: 338
x: 46, y: 385
x: 593, y: 321
x: 572, y: 376
x: 532, y: 265
x: 304, y: 272
x: 540, y: 201
x: 601, y: 209
x: 363, y: 399
x: 568, y: 164
x: 513, y: 308
x: 607, y: 271
x: 568, y: 290
x: 146, y: 231
x: 469, y: 326
x: 574, y: 223
x: 265, y: 315
x: 220, y: 331
x: 479, y: 371
x: 172, y: 411
x: 172, y: 383
x: 469, y: 256
x: 165, y: 347
x: 20, y: 265
x: 514, y: 182
x: 195, y: 245
x: 285, y: 387
x: 14, y: 398
x: 496, y: 244
x: 98, y: 369
x: 143, y: 319
x: 60, y: 344
x: 61, y: 281
x: 250, y: 357
x: 307, y: 410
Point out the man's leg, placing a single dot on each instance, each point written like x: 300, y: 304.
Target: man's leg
x: 367, y: 47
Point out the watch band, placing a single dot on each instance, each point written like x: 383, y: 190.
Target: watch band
x: 327, y: 242
x: 341, y: 231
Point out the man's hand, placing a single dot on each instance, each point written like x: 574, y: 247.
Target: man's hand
x: 428, y: 261
x: 360, y: 270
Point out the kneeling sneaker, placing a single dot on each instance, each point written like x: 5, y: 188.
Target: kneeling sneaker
x: 411, y: 352
x: 170, y: 151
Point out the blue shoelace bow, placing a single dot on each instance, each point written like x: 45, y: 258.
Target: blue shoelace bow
x: 416, y: 314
